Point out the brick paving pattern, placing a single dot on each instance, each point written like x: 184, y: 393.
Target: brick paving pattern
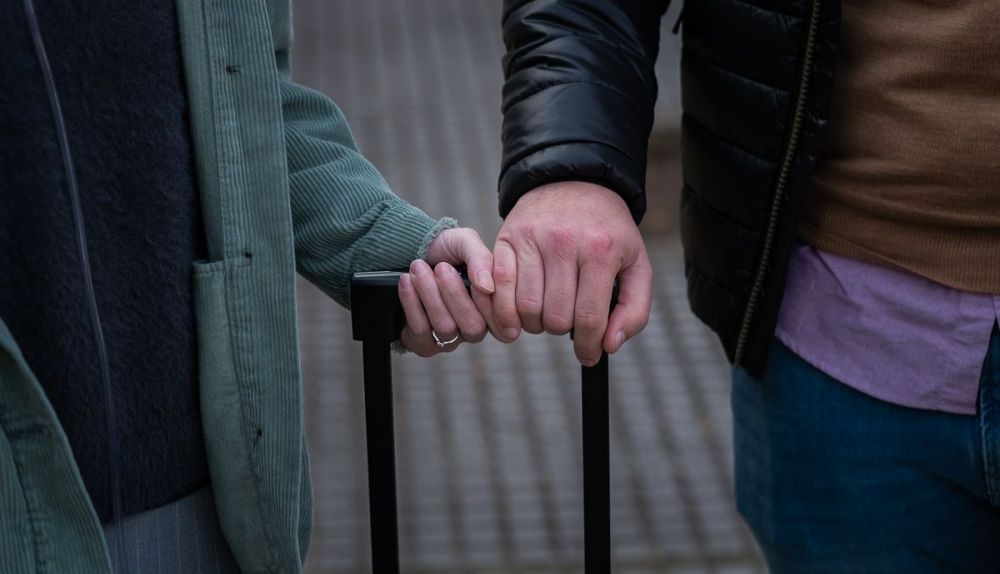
x: 488, y: 437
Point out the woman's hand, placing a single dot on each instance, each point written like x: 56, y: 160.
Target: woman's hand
x: 440, y: 313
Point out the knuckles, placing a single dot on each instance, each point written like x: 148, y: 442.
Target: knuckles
x: 601, y: 245
x: 529, y: 306
x: 419, y: 331
x: 567, y: 242
x: 562, y: 241
x: 556, y: 324
x: 474, y: 330
x: 590, y: 321
x: 505, y: 311
x: 503, y: 274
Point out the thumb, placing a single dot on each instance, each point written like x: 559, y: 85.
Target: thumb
x: 463, y: 246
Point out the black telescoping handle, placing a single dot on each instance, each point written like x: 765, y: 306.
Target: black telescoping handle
x: 377, y: 320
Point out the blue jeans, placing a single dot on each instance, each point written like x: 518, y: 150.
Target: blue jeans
x: 831, y: 480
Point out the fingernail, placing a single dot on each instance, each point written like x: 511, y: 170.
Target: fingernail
x: 404, y: 280
x: 619, y: 341
x: 485, y: 280
x: 511, y: 333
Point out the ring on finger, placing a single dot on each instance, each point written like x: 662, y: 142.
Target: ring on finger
x: 443, y: 344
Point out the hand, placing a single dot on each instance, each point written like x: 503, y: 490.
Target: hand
x: 555, y: 262
x: 435, y: 299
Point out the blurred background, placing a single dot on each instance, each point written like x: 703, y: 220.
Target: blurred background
x: 488, y: 437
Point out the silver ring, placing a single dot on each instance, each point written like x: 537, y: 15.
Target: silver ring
x: 443, y: 344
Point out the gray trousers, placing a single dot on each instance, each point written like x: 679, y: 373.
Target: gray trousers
x: 180, y: 537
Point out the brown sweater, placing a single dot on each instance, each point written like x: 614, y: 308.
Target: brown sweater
x: 909, y: 174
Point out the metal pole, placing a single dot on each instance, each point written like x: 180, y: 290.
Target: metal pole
x: 596, y: 469
x: 381, y: 457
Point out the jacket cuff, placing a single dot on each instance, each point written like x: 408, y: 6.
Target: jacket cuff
x: 443, y: 224
x: 579, y: 161
x: 401, y: 235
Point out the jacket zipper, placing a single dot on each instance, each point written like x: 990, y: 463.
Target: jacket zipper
x: 779, y: 190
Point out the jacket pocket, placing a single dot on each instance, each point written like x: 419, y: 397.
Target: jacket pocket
x: 229, y: 437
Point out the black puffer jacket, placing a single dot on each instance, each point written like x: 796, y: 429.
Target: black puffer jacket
x: 756, y: 81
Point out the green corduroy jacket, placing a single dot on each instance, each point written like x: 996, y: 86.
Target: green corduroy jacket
x: 283, y: 189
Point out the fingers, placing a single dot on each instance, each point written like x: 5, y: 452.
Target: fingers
x: 505, y: 313
x: 593, y: 300
x: 446, y: 295
x: 529, y: 294
x: 635, y: 291
x: 437, y: 301
x: 484, y: 304
x: 463, y: 246
x: 560, y: 284
x: 538, y: 292
x: 478, y: 261
x: 427, y: 288
x: 471, y: 323
x: 416, y: 336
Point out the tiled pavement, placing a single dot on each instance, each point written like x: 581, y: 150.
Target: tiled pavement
x: 489, y: 437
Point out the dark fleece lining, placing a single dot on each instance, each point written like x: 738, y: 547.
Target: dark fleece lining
x: 118, y: 73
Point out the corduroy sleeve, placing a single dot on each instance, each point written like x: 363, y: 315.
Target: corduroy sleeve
x: 578, y: 95
x: 344, y: 216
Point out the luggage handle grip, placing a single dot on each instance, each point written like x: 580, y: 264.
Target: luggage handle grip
x: 377, y: 314
x: 377, y: 320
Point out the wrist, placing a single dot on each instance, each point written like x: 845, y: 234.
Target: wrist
x: 578, y: 162
x: 430, y: 245
x: 579, y: 188
x: 574, y: 197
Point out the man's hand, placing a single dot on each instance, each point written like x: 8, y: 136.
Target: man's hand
x: 555, y: 262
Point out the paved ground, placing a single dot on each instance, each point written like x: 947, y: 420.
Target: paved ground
x: 489, y: 456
